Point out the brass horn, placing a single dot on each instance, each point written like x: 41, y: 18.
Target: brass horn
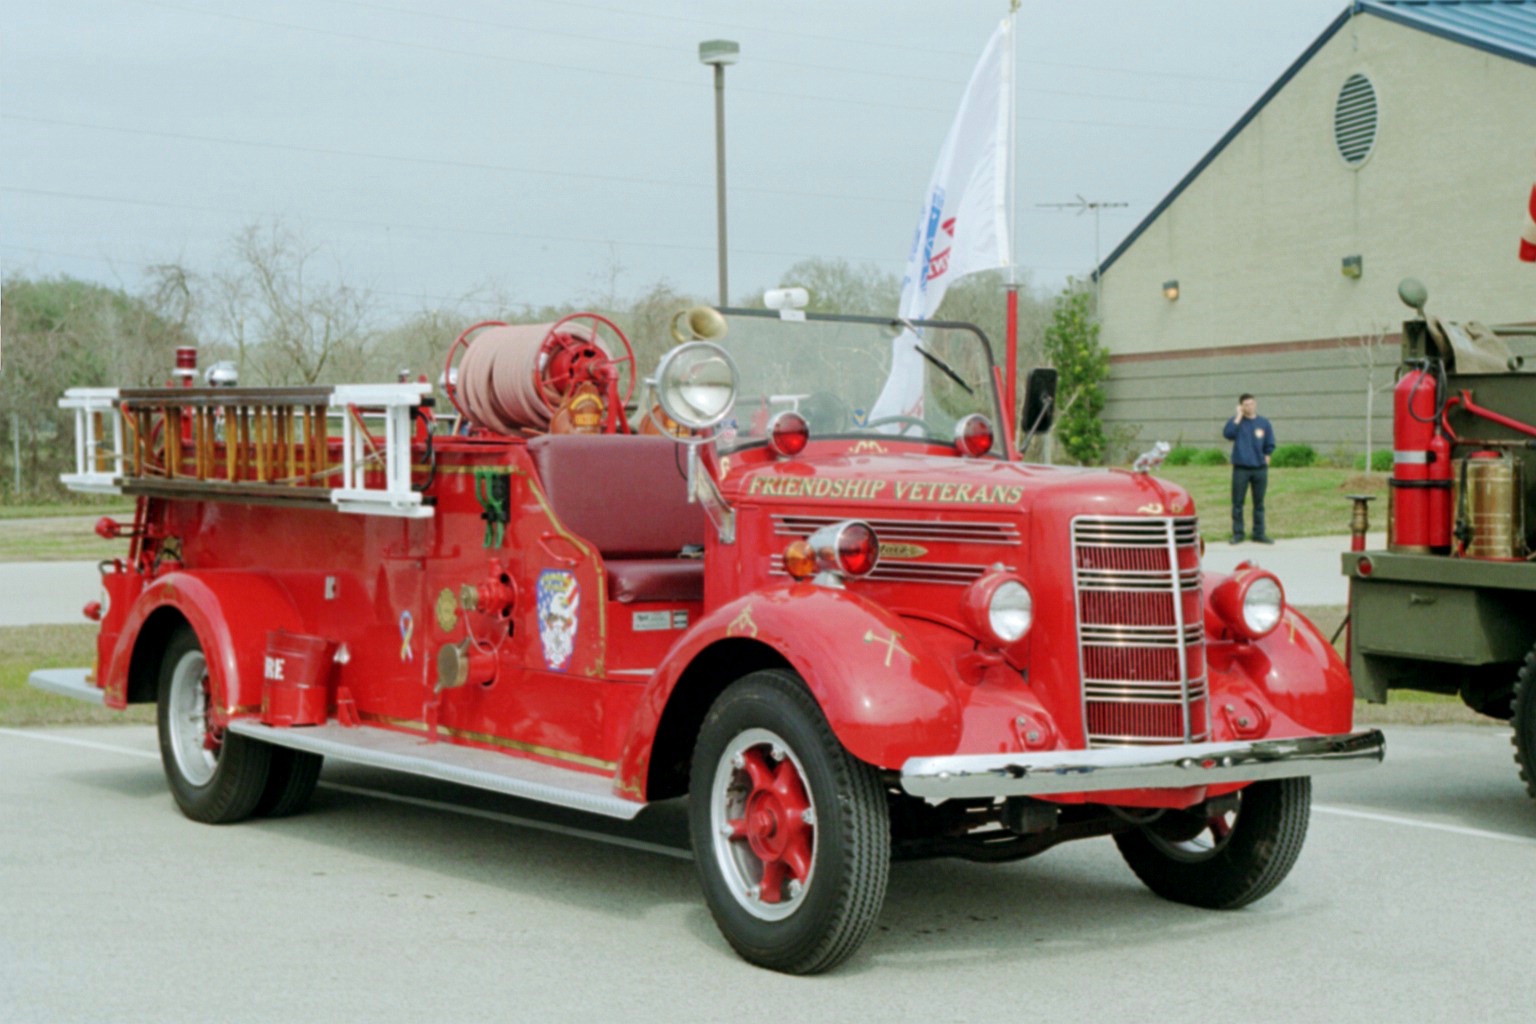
x: 701, y: 323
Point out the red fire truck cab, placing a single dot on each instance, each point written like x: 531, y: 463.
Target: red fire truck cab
x: 845, y: 636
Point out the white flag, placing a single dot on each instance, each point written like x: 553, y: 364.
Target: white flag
x: 964, y: 223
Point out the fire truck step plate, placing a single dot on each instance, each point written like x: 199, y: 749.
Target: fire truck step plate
x: 67, y: 682
x: 481, y: 769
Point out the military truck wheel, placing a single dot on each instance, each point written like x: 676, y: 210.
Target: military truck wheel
x: 790, y: 832
x: 1523, y: 719
x: 215, y: 778
x: 1229, y: 860
x: 292, y: 781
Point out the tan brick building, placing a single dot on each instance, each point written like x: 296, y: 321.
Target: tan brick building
x: 1402, y: 142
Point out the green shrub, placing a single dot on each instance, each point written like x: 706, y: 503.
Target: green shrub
x: 1183, y: 455
x: 1209, y: 457
x: 1381, y: 461
x: 1293, y: 456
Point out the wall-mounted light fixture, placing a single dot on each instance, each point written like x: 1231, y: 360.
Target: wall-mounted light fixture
x: 1351, y: 266
x: 1171, y: 290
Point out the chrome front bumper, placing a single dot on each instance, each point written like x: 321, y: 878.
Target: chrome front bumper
x: 1163, y: 767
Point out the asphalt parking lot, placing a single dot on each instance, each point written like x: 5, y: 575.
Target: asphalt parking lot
x: 398, y: 899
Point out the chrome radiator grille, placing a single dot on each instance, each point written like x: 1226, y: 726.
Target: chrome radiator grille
x: 1140, y: 626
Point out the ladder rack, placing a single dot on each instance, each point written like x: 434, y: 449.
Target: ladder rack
x: 282, y: 446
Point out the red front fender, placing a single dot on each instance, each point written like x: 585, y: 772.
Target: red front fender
x: 1294, y: 668
x: 886, y: 696
x: 230, y: 612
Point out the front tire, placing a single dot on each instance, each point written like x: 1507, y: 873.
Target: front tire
x: 1227, y: 860
x: 791, y: 833
x: 216, y: 778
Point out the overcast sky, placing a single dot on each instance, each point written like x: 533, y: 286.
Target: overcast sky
x: 560, y: 149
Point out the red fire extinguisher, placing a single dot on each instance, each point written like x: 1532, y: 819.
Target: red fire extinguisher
x: 1421, y: 466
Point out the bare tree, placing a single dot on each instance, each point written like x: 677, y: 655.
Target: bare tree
x: 287, y: 323
x: 1368, y: 351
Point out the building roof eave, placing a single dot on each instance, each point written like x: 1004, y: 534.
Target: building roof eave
x: 1231, y: 133
x: 1419, y: 16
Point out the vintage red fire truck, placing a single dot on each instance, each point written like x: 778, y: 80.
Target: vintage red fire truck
x: 846, y: 637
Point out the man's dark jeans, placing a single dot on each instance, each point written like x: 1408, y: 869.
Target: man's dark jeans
x: 1244, y: 477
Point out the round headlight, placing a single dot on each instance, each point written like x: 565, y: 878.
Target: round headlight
x: 999, y: 608
x: 696, y: 384
x: 1263, y: 602
x: 1247, y: 605
x: 1010, y: 611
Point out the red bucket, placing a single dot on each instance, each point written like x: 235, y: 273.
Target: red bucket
x: 296, y: 679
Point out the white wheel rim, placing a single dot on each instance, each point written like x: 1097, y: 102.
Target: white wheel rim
x: 187, y: 716
x: 739, y: 865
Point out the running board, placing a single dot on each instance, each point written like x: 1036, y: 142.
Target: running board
x: 67, y: 682
x: 449, y: 762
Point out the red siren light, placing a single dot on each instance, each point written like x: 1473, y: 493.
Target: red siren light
x: 973, y: 436
x: 788, y: 434
x: 857, y: 549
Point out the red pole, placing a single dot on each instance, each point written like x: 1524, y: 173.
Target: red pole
x: 1011, y: 357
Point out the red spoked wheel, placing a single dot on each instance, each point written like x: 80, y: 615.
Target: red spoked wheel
x: 574, y: 352
x: 451, y: 378
x: 791, y: 833
x: 767, y: 823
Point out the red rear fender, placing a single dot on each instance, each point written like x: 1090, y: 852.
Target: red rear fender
x: 230, y: 612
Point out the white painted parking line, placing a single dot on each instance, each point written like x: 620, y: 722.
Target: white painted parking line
x: 70, y: 741
x: 1434, y: 826
x: 437, y: 805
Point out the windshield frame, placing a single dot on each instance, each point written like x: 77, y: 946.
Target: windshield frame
x: 1000, y: 446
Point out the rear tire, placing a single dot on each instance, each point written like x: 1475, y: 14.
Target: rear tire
x: 791, y: 833
x: 1523, y: 718
x: 1229, y: 860
x: 292, y: 781
x: 216, y: 778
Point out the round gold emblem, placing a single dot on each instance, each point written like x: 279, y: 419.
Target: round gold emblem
x: 447, y: 609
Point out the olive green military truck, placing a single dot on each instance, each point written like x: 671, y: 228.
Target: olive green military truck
x: 1450, y: 605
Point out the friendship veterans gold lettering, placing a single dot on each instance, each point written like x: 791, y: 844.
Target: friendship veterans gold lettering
x: 816, y: 487
x: 868, y: 490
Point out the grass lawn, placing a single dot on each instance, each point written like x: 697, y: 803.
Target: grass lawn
x: 58, y: 538
x: 1299, y: 503
x: 24, y: 648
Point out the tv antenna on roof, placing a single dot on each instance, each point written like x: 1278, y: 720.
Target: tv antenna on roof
x: 1082, y: 206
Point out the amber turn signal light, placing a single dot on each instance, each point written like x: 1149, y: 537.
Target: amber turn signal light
x: 800, y: 560
x: 788, y: 434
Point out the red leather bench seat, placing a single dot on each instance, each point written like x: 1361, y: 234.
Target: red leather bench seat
x: 627, y: 496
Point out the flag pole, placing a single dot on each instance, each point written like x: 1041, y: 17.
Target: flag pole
x: 1011, y: 316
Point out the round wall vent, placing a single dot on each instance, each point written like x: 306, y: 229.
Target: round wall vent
x: 1354, y: 120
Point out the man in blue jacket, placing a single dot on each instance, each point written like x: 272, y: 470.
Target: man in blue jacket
x: 1252, y: 441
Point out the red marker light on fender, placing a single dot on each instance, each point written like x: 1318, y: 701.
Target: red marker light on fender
x: 973, y: 435
x: 788, y: 434
x: 1365, y: 567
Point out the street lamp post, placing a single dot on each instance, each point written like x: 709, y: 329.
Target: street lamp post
x: 718, y: 53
